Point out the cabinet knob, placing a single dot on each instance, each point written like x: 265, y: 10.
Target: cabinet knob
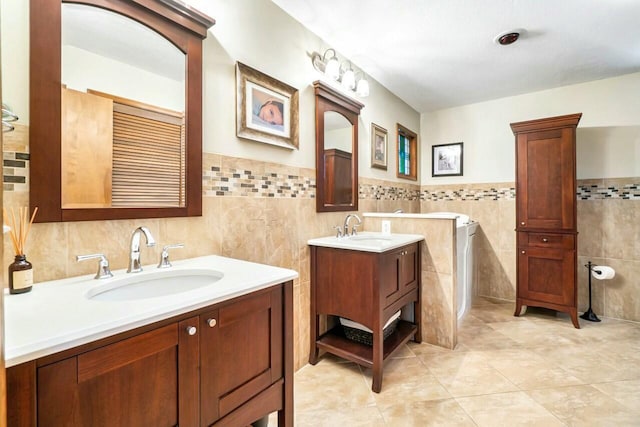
x: 522, y: 223
x: 545, y: 240
x: 191, y: 330
x: 523, y: 252
x: 212, y: 322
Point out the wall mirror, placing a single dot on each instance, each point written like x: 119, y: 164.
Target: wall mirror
x: 116, y: 109
x: 336, y: 150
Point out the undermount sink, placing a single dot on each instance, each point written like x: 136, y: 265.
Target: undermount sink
x: 367, y: 241
x: 154, y: 284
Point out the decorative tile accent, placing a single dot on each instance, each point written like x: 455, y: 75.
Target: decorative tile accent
x: 15, y: 171
x: 616, y: 190
x: 387, y: 192
x: 219, y: 181
x: 468, y: 194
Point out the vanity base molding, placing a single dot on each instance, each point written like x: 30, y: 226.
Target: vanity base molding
x: 228, y: 364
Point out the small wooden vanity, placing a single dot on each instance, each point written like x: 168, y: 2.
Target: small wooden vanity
x: 368, y: 286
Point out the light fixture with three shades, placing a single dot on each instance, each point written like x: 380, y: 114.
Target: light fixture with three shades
x: 329, y: 65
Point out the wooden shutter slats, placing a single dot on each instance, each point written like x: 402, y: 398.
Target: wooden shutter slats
x: 148, y: 158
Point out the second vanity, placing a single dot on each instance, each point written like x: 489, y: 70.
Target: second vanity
x: 217, y: 354
x: 365, y: 278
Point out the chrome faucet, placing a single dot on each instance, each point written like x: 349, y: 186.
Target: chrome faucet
x: 353, y: 229
x: 134, y: 256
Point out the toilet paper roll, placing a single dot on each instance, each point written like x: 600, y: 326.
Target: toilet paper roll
x: 603, y: 272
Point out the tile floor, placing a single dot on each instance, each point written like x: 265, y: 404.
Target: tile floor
x: 534, y: 370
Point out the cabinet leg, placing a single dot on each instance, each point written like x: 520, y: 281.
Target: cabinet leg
x: 573, y: 312
x: 519, y: 311
x: 377, y: 379
x: 313, y: 354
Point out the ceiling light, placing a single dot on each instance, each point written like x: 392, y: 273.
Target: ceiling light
x: 329, y: 65
x: 507, y: 37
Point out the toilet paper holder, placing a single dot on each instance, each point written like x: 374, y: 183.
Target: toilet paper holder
x: 589, y: 314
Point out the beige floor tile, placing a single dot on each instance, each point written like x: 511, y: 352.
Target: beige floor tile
x: 406, y: 381
x: 529, y: 371
x: 536, y: 369
x: 359, y: 417
x: 585, y: 405
x: 331, y: 386
x: 445, y: 413
x: 507, y: 409
x: 484, y: 381
x: 626, y: 393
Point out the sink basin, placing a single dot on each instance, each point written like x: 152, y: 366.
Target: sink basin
x: 367, y: 241
x: 154, y: 284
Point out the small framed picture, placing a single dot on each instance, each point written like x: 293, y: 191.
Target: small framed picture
x: 447, y: 160
x: 267, y: 109
x: 378, y: 147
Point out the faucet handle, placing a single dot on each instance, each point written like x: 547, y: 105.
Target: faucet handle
x: 354, y: 229
x: 103, y: 265
x: 338, y: 231
x: 164, y: 256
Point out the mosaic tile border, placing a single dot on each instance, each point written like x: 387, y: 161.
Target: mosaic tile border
x: 15, y: 171
x: 387, y: 192
x: 473, y: 194
x: 624, y: 191
x: 219, y: 181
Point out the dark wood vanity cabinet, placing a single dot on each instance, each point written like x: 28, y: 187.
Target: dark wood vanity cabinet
x: 226, y: 365
x: 546, y: 212
x: 368, y: 288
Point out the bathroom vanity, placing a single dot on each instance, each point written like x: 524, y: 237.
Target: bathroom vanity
x: 218, y: 355
x: 365, y: 278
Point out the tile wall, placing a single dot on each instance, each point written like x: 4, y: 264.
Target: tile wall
x: 609, y: 234
x: 265, y: 212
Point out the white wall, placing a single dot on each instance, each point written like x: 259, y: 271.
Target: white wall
x: 489, y: 144
x: 259, y: 34
x: 15, y: 56
x: 82, y: 70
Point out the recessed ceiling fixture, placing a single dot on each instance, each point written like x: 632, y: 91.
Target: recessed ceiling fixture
x: 507, y: 37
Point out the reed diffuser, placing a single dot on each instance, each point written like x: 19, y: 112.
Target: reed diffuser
x: 21, y: 270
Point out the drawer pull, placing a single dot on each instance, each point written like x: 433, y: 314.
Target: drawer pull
x: 545, y: 240
x: 212, y: 322
x: 191, y: 330
x: 522, y: 223
x: 523, y: 252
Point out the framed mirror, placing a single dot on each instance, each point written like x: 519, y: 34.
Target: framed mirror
x: 336, y: 150
x: 116, y: 109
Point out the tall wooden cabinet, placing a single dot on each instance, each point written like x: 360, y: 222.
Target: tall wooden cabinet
x: 546, y: 214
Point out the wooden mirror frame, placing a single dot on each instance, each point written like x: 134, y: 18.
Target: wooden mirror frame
x: 183, y: 26
x: 328, y: 99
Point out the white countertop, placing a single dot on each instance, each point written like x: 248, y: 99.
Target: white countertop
x: 57, y: 315
x: 367, y: 241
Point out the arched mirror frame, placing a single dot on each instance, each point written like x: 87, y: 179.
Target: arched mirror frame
x: 181, y: 25
x: 328, y: 99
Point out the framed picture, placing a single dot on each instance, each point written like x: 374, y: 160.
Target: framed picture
x: 378, y: 147
x: 266, y: 110
x: 447, y: 160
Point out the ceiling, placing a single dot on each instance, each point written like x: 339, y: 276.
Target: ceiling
x: 436, y: 54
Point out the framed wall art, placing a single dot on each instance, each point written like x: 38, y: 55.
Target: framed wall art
x: 447, y: 159
x: 267, y: 109
x: 379, y: 145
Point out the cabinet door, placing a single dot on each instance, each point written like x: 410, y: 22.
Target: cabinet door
x: 547, y: 275
x: 546, y: 187
x: 398, y: 273
x: 133, y: 382
x: 241, y: 352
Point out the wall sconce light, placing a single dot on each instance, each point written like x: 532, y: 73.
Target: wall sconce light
x: 329, y: 65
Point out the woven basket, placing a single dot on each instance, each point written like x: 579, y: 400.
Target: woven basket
x: 364, y: 337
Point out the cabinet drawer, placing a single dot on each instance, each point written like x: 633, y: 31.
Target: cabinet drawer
x: 547, y: 240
